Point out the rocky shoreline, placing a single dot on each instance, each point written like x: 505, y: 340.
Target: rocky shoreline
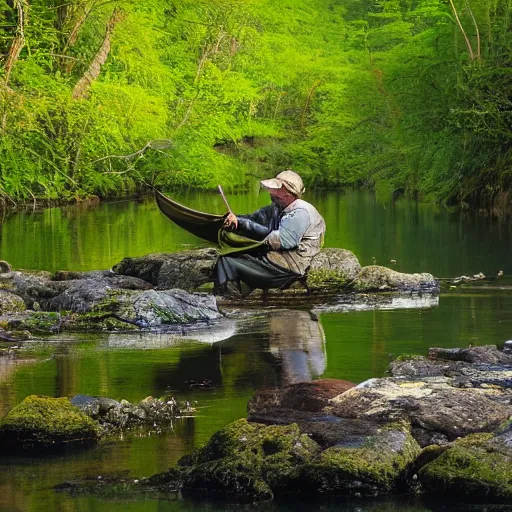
x: 438, y: 426
x: 160, y: 290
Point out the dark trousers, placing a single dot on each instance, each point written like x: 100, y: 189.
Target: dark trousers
x: 254, y: 271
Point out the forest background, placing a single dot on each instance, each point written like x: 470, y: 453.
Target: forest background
x: 404, y: 96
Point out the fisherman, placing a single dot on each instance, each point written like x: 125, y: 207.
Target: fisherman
x: 292, y: 231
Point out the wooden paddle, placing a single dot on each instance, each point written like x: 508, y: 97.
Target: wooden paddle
x: 225, y: 200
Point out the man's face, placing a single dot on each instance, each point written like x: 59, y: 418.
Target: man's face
x: 281, y: 196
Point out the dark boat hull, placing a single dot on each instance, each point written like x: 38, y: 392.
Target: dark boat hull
x: 203, y: 225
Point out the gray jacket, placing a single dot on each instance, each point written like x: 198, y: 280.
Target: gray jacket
x: 295, y: 234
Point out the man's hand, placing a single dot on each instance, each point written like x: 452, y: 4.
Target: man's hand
x: 231, y: 222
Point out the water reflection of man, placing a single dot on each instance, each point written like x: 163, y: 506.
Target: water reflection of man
x: 298, y: 341
x: 292, y: 230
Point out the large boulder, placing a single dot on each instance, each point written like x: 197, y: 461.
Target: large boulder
x: 42, y: 422
x: 186, y: 270
x: 477, y: 466
x: 438, y: 412
x: 332, y: 268
x: 248, y: 462
x: 147, y: 309
x: 377, y: 278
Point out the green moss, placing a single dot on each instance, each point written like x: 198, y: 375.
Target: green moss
x: 326, y: 278
x: 95, y: 321
x: 41, y: 321
x: 472, y: 467
x: 373, y: 469
x: 167, y: 316
x: 249, y: 460
x: 409, y: 357
x: 474, y: 439
x: 43, y: 421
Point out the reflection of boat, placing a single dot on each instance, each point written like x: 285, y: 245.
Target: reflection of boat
x: 203, y: 225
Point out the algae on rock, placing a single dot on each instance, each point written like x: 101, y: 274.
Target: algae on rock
x: 477, y: 465
x: 248, y: 460
x: 41, y: 421
x: 372, y: 469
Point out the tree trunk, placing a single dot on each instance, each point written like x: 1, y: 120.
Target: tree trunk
x: 19, y: 40
x: 93, y: 72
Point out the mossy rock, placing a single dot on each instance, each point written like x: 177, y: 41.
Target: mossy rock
x: 234, y: 478
x: 332, y: 269
x: 41, y: 422
x: 478, y: 466
x: 374, y: 468
x: 377, y: 278
x: 249, y: 461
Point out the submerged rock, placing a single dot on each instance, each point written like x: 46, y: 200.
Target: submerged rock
x: 304, y: 396
x: 42, y: 422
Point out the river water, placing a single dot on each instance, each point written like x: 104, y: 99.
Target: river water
x: 217, y: 370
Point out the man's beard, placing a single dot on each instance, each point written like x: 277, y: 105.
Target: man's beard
x: 276, y: 201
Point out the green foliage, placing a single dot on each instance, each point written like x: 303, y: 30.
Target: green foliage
x: 345, y: 92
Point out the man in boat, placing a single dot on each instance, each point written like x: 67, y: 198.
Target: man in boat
x: 292, y: 231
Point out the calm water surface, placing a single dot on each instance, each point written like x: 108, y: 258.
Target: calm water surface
x: 234, y: 359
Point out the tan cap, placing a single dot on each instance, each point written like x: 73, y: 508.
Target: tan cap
x: 291, y: 181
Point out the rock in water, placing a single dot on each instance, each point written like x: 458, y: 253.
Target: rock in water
x: 479, y: 465
x: 332, y: 268
x: 186, y: 270
x: 42, y: 422
x: 376, y: 278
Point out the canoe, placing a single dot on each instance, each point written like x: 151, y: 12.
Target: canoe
x: 206, y: 226
x: 203, y: 225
